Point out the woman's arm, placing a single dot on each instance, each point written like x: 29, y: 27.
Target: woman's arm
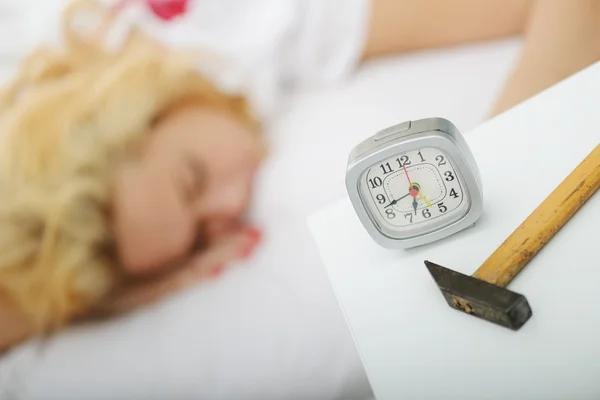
x: 562, y: 37
x: 405, y: 25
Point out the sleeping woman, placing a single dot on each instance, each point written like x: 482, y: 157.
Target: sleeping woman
x: 129, y: 147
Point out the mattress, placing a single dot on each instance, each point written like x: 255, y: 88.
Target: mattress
x: 270, y: 327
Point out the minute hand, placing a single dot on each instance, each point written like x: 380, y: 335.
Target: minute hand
x: 397, y: 200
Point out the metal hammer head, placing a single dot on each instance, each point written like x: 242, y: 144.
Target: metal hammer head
x: 481, y: 299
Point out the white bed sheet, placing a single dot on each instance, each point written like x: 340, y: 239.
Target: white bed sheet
x: 271, y: 327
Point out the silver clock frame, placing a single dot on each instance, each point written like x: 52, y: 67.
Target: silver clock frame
x: 410, y: 135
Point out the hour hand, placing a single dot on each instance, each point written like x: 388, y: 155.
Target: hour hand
x: 397, y: 200
x: 415, y: 204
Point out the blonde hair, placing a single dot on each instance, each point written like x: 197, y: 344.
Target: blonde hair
x: 66, y: 120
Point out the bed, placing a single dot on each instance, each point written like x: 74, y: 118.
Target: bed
x: 270, y: 328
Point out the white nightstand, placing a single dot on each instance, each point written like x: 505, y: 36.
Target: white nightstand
x: 412, y: 344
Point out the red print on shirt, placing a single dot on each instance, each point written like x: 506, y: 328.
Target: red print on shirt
x: 166, y: 10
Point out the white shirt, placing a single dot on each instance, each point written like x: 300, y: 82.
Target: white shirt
x: 263, y: 47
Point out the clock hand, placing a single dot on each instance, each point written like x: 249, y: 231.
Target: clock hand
x: 397, y: 200
x: 407, y: 177
x: 425, y: 200
x: 414, y: 192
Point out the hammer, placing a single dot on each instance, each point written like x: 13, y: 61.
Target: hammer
x: 484, y: 294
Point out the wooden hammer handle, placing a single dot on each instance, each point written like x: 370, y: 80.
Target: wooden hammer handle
x: 541, y: 225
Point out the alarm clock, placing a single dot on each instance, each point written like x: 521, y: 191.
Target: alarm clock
x: 414, y: 183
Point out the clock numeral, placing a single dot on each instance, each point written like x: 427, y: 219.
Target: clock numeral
x: 453, y: 193
x: 408, y: 215
x: 375, y: 182
x: 421, y: 155
x: 440, y: 160
x: 442, y: 207
x: 426, y: 213
x: 402, y: 161
x: 390, y: 213
x: 449, y: 176
x: 381, y: 199
x: 386, y: 168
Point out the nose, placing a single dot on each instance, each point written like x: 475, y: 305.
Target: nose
x: 220, y: 211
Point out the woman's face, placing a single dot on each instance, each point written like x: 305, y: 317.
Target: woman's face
x: 192, y: 185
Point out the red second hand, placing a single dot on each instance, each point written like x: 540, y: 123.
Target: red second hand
x: 406, y: 172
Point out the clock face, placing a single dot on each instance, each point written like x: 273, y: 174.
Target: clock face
x: 414, y: 192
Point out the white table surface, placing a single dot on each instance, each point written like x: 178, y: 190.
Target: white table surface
x: 412, y: 344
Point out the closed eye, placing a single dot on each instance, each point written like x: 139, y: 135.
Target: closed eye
x: 198, y: 177
x: 198, y: 173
